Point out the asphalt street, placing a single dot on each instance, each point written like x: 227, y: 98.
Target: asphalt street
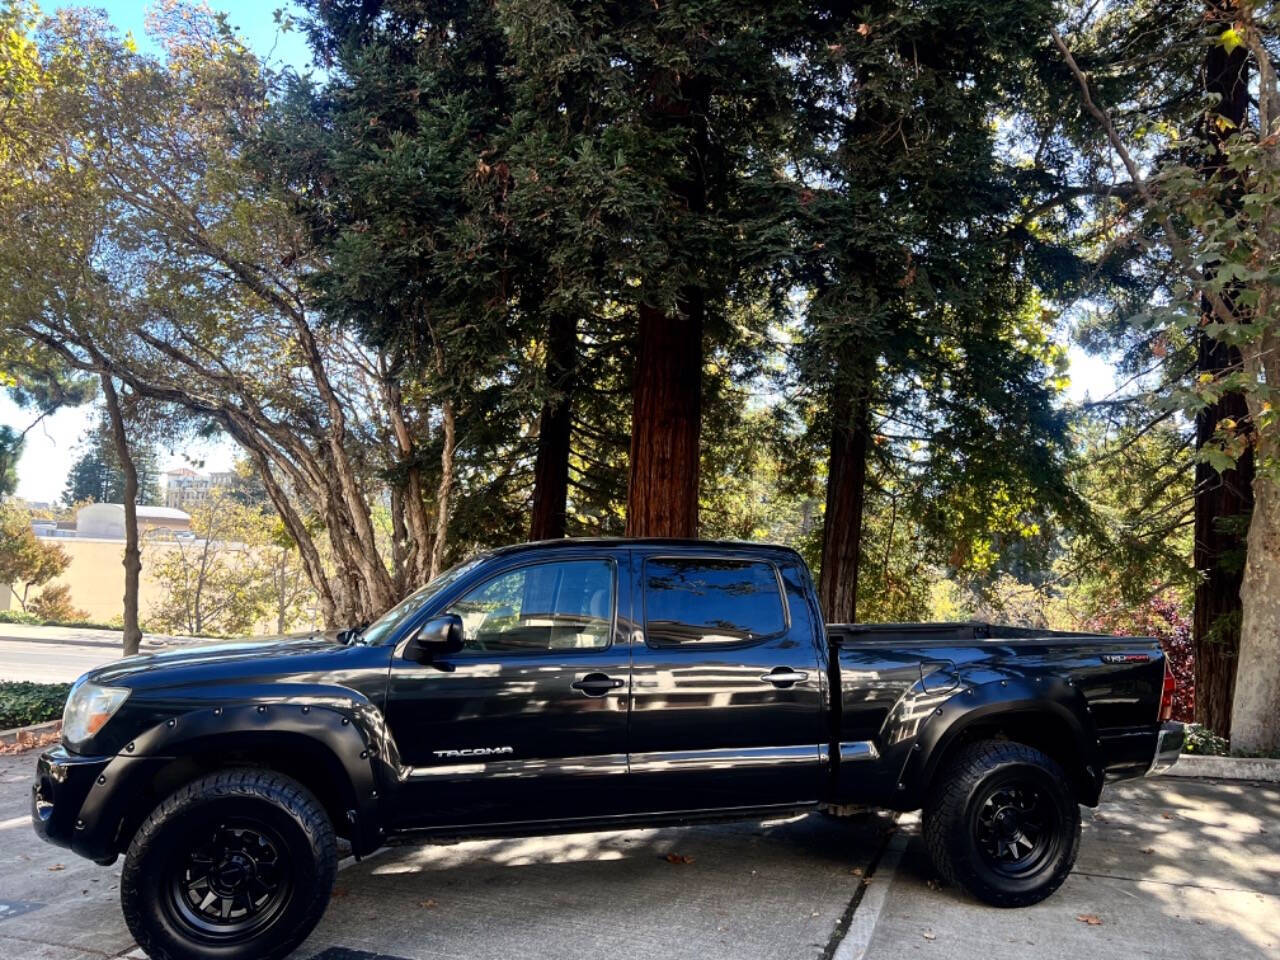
x: 1168, y: 868
x: 59, y: 654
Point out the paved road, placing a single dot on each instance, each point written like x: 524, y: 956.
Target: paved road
x: 59, y: 654
x: 787, y: 890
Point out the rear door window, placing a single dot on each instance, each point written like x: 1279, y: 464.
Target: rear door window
x: 697, y: 600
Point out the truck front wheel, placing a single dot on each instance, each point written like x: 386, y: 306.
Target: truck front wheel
x: 1003, y: 822
x: 238, y: 864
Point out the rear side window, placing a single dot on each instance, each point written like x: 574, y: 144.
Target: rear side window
x: 696, y: 600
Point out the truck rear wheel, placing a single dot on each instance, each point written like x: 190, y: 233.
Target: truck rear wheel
x: 237, y: 864
x: 1003, y: 822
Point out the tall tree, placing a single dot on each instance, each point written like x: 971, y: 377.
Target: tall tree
x: 176, y: 269
x: 98, y: 475
x: 549, y: 518
x: 1216, y: 231
x: 132, y: 552
x: 1223, y: 500
x: 655, y: 131
x: 926, y: 337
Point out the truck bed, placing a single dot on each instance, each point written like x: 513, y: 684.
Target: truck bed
x: 959, y: 631
x: 907, y: 692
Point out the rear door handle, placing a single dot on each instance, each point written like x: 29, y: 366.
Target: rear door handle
x: 784, y: 676
x: 597, y: 684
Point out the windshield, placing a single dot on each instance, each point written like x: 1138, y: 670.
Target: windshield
x: 386, y: 624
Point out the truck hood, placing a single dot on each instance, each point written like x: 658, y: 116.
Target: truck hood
x: 223, y: 661
x: 174, y: 682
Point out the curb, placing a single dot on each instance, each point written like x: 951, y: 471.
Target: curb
x: 30, y: 734
x: 1226, y: 768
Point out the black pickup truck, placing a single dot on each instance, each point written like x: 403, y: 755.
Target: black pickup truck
x: 582, y: 685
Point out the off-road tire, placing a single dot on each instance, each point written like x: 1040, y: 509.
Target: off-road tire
x: 282, y: 806
x: 953, y: 822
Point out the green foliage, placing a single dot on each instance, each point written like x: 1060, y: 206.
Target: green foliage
x: 23, y: 704
x: 1204, y: 742
x: 53, y: 605
x: 241, y: 569
x: 25, y: 561
x: 30, y: 619
x: 97, y: 477
x: 11, y: 444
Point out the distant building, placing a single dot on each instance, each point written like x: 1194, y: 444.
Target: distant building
x: 106, y: 520
x: 185, y: 488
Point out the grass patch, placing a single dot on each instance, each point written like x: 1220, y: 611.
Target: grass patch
x: 23, y: 703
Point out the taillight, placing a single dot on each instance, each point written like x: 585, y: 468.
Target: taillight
x: 1166, y: 695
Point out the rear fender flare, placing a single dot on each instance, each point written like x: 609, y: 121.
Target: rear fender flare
x: 1054, y: 698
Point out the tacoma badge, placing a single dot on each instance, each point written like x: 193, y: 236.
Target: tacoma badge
x: 474, y: 752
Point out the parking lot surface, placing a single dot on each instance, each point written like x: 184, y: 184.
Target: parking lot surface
x: 1168, y: 868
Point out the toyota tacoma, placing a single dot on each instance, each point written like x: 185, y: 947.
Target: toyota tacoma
x: 583, y: 685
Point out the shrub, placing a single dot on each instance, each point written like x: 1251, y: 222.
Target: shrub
x: 1205, y: 742
x: 22, y: 703
x: 1166, y: 619
x: 54, y: 604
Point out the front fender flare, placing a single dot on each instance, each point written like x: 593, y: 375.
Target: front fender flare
x: 348, y: 727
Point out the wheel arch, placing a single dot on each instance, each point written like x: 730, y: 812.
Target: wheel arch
x: 338, y: 751
x: 1049, y: 716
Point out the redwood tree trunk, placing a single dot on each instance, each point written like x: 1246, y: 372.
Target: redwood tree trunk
x: 846, y: 498
x: 555, y: 428
x: 666, y: 419
x: 1222, y: 507
x: 1222, y: 502
x: 132, y: 553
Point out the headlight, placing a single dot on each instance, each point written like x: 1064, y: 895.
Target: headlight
x: 88, y: 709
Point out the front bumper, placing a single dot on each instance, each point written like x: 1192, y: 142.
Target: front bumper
x: 63, y: 781
x: 1168, y: 748
x: 81, y: 802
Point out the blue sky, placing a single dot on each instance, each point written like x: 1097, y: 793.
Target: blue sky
x: 255, y: 22
x: 51, y: 446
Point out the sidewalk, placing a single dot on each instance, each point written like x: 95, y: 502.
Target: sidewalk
x: 85, y: 636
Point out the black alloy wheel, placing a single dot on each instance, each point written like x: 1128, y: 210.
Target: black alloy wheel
x: 231, y: 882
x: 1002, y: 820
x: 1015, y: 828
x: 237, y: 865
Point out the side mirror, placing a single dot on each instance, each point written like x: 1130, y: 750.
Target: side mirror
x: 438, y: 636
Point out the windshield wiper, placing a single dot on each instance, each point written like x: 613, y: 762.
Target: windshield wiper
x: 351, y: 634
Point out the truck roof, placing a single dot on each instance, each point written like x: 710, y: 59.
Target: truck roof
x: 671, y: 542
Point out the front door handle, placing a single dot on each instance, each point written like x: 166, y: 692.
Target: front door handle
x: 784, y: 676
x: 597, y: 684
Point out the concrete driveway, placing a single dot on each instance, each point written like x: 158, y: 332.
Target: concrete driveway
x: 784, y: 889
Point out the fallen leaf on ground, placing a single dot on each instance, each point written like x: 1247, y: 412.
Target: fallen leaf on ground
x: 1092, y: 919
x: 428, y: 904
x: 57, y: 866
x: 856, y: 871
x: 1148, y: 849
x: 1167, y: 816
x: 678, y: 858
x: 339, y: 892
x: 929, y: 936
